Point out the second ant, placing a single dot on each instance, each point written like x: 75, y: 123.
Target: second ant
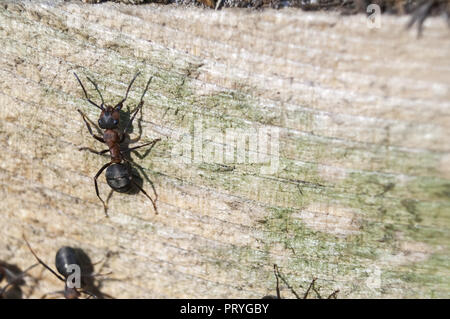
x: 311, y: 286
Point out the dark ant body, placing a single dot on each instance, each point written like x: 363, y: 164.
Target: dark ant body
x: 118, y: 176
x: 65, y: 256
x: 66, y: 259
x: 14, y: 278
x: 305, y: 296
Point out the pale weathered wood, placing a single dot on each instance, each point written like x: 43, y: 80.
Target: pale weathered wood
x: 361, y: 198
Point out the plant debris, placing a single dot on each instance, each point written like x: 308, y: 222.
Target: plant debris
x: 419, y: 10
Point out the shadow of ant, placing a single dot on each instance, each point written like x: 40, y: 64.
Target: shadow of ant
x: 311, y: 287
x: 13, y: 276
x: 126, y: 145
x: 88, y: 275
x: 136, y: 170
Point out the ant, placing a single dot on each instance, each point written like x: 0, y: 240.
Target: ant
x: 9, y: 273
x: 305, y: 296
x: 68, y: 261
x: 118, y: 175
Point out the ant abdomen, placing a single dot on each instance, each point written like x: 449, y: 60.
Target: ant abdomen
x: 118, y: 178
x: 64, y: 257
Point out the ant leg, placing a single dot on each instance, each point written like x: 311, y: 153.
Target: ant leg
x: 104, y: 259
x: 120, y: 104
x: 275, y: 269
x: 98, y: 274
x: 286, y: 283
x: 96, y: 186
x: 93, y: 151
x: 153, y: 201
x: 108, y: 198
x: 333, y: 295
x: 311, y: 285
x: 35, y: 282
x: 85, y: 93
x: 59, y: 292
x: 95, y: 125
x: 145, y: 176
x: 146, y: 144
x: 89, y: 294
x: 98, y: 138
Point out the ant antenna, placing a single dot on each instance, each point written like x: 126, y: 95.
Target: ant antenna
x: 96, y: 88
x: 85, y: 93
x: 41, y: 262
x: 119, y: 105
x: 146, y: 87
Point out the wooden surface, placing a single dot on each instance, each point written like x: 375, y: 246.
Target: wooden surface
x: 361, y: 196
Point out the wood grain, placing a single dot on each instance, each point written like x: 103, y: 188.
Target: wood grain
x: 361, y: 196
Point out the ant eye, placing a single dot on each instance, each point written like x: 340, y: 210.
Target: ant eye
x: 115, y: 121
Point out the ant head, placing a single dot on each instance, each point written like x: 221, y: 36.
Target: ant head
x: 109, y: 118
x: 71, y: 293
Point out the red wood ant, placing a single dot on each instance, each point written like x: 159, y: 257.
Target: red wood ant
x: 305, y: 295
x: 118, y: 175
x: 66, y: 259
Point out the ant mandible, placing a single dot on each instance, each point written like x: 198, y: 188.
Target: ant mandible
x: 118, y: 175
